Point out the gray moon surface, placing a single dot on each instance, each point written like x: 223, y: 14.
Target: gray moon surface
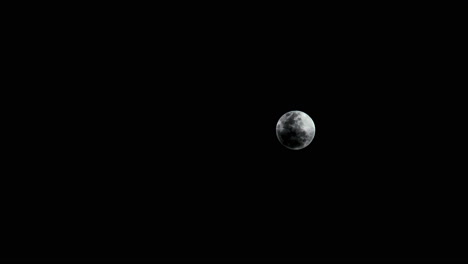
x: 295, y: 130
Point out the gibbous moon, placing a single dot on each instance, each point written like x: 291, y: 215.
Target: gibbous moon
x: 295, y: 130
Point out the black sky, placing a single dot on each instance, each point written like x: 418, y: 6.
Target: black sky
x: 154, y: 136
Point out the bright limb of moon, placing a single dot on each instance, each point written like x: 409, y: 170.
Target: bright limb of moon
x: 307, y: 123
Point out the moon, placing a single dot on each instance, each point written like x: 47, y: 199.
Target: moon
x: 295, y: 130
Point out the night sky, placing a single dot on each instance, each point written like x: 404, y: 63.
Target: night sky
x: 154, y: 137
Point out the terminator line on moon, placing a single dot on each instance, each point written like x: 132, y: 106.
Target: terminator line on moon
x: 295, y: 130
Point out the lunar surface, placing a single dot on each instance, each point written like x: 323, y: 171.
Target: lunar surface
x: 295, y: 130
